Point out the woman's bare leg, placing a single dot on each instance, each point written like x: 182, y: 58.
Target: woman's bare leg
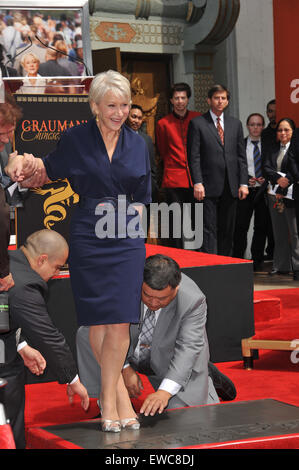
x: 123, y: 401
x: 110, y: 345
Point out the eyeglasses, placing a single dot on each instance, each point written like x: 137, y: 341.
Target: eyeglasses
x: 8, y: 133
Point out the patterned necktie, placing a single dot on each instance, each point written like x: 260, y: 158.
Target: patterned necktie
x: 146, y: 336
x: 220, y: 130
x: 257, y: 159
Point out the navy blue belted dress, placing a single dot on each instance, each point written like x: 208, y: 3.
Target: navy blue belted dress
x: 106, y: 273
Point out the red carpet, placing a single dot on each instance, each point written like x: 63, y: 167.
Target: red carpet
x: 47, y: 404
x: 286, y: 326
x: 274, y: 376
x: 186, y: 258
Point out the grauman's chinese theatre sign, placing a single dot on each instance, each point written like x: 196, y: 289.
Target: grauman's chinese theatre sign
x: 45, y: 130
x: 44, y: 119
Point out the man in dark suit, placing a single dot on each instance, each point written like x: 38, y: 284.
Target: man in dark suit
x: 10, y: 112
x: 255, y: 203
x: 178, y: 364
x: 135, y: 121
x: 269, y: 140
x: 269, y: 133
x: 218, y: 167
x: 6, y: 280
x: 32, y: 266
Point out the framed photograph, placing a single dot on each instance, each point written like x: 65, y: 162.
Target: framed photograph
x: 45, y: 38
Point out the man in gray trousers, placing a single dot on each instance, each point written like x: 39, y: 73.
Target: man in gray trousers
x: 169, y: 344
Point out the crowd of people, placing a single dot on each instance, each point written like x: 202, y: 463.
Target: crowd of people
x: 125, y: 303
x: 54, y: 45
x: 206, y: 159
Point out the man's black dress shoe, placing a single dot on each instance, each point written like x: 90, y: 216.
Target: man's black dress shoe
x: 296, y: 275
x: 224, y: 386
x: 273, y: 272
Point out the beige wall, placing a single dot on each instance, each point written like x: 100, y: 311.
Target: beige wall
x: 255, y: 57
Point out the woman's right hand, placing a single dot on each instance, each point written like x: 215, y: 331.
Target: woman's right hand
x: 30, y: 166
x: 38, y: 178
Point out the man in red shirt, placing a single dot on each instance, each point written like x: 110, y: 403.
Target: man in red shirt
x: 171, y: 141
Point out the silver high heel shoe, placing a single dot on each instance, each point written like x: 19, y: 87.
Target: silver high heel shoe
x: 130, y: 423
x: 109, y: 425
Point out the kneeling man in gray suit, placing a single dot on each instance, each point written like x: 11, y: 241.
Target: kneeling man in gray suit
x: 169, y: 344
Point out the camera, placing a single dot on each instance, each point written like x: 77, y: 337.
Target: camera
x: 4, y: 312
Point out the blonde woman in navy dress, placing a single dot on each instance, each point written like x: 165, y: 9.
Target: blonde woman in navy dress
x: 103, y: 159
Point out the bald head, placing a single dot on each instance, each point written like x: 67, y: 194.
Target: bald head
x: 46, y: 242
x: 46, y: 251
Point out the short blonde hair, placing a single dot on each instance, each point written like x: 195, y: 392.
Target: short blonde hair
x: 29, y: 54
x: 108, y: 81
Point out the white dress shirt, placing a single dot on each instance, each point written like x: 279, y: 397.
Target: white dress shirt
x: 214, y: 117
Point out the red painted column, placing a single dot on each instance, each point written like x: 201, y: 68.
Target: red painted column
x: 286, y: 55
